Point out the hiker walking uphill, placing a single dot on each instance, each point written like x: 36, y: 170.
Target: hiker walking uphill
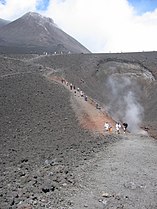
x: 90, y: 116
x: 118, y: 126
x: 106, y: 126
x: 85, y: 98
x: 81, y: 93
x: 125, y: 125
x: 71, y: 86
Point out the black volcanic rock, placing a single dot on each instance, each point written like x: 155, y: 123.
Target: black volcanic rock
x: 35, y: 33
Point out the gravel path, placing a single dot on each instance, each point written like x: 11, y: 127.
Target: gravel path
x: 122, y: 176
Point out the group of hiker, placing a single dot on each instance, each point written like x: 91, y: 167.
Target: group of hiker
x: 118, y: 127
x: 107, y: 126
x: 73, y: 87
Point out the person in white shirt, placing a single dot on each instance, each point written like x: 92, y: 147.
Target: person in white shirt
x: 71, y: 86
x: 106, y: 126
x: 118, y: 126
x: 81, y: 93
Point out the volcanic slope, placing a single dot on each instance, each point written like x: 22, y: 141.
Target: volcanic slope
x: 33, y: 33
x: 43, y: 138
x: 101, y: 75
x: 123, y: 175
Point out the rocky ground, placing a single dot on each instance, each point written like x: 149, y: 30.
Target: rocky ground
x: 41, y: 141
x: 123, y: 175
x: 53, y: 152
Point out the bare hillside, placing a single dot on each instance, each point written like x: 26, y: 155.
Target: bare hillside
x: 33, y: 33
x: 120, y: 82
x: 49, y: 133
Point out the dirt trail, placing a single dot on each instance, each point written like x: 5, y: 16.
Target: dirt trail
x: 123, y: 176
x: 89, y: 116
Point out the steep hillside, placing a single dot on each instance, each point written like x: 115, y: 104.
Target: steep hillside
x: 51, y: 136
x: 41, y: 137
x: 124, y: 83
x: 33, y: 33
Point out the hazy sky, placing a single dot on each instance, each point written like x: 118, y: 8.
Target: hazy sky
x: 100, y: 25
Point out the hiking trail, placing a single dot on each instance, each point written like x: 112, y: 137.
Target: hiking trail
x: 89, y: 116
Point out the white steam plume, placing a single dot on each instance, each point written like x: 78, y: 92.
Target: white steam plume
x: 124, y: 103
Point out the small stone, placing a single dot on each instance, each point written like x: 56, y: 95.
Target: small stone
x: 12, y: 202
x: 117, y: 197
x: 45, y: 190
x: 51, y: 174
x: 64, y: 184
x: 35, y: 202
x: 34, y: 198
x: 105, y: 194
x: 43, y: 201
x: 24, y: 160
x: 70, y: 203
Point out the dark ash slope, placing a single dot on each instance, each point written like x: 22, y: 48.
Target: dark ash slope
x: 33, y: 33
x: 41, y: 139
x: 94, y: 70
